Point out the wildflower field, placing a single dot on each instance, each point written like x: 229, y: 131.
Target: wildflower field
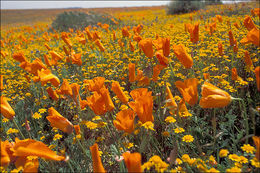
x: 148, y: 92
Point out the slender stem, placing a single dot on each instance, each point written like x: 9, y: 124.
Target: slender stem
x: 81, y: 146
x: 71, y: 169
x: 18, y: 128
x: 214, y: 127
x: 172, y: 69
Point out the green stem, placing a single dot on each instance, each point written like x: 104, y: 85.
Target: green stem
x: 214, y: 127
x: 18, y: 128
x: 71, y: 169
x: 81, y: 146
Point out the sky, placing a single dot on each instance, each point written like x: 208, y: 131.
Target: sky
x: 84, y: 4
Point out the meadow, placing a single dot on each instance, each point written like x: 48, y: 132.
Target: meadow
x: 149, y: 92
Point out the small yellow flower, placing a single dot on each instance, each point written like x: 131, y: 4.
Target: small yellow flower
x: 255, y: 163
x: 248, y: 148
x: 148, y: 125
x: 213, y: 170
x: 234, y: 157
x: 96, y: 118
x: 187, y: 138
x: 178, y: 161
x: 185, y: 158
x: 52, y: 146
x: 43, y: 137
x: 28, y: 94
x: 223, y: 153
x: 9, y: 131
x: 123, y: 107
x: 99, y: 139
x: 4, y: 120
x: 170, y: 119
x: 179, y: 130
x: 128, y: 144
x: 243, y: 159
x: 91, y: 125
x: 233, y: 169
x: 57, y: 137
x: 36, y: 115
x: 42, y: 110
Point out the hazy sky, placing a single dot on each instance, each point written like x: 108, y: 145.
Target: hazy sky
x: 84, y: 4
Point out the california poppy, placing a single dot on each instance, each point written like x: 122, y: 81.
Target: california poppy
x: 156, y: 72
x: 75, y: 92
x: 1, y: 82
x: 47, y: 61
x: 147, y: 47
x: 194, y: 33
x: 96, y: 103
x: 137, y: 38
x: 19, y: 56
x: 252, y: 37
x: 106, y: 97
x: 58, y: 121
x: 170, y: 101
x: 213, y: 97
x: 247, y: 59
x: 96, y: 160
x: 125, y: 120
x: 6, y: 153
x: 248, y: 23
x: 133, y: 161
x: 256, y: 140
x: 182, y: 55
x: 234, y: 75
x: 53, y: 94
x: 100, y: 45
x: 65, y: 88
x: 125, y: 32
x: 189, y: 90
x: 182, y: 109
x: 219, y: 18
x: 6, y: 110
x: 119, y: 92
x: 231, y: 38
x: 144, y: 81
x: 46, y: 76
x: 131, y: 69
x: 131, y: 45
x: 220, y: 49
x: 95, y: 84
x: 257, y: 76
x: 142, y: 104
x: 76, y: 59
x: 30, y: 147
x: 77, y: 129
x: 161, y: 58
x: 28, y: 163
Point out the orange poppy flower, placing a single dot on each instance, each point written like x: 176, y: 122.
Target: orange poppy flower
x: 252, y: 37
x: 120, y: 43
x: 257, y: 76
x: 125, y: 32
x: 166, y: 46
x: 46, y: 76
x: 100, y: 45
x: 125, y: 120
x: 220, y: 49
x: 47, y: 61
x: 114, y: 35
x: 219, y: 18
x: 131, y: 45
x: 1, y: 82
x: 212, y: 28
x: 6, y: 110
x: 77, y: 129
x: 119, y: 92
x: 67, y: 41
x: 76, y: 59
x: 28, y: 164
x: 144, y: 81
x: 131, y: 69
x: 189, y: 90
x: 137, y: 38
x: 256, y: 140
x: 248, y: 23
x: 96, y: 160
x: 206, y: 76
x: 236, y: 25
x: 30, y: 147
x: 182, y: 55
x: 213, y: 97
x: 75, y: 92
x: 96, y: 103
x: 162, y: 59
x: 147, y: 47
x: 257, y: 11
x: 47, y: 46
x: 133, y: 161
x: 142, y: 104
x: 231, y: 38
x: 234, y: 75
x: 235, y: 47
x: 19, y: 56
x: 36, y: 65
x: 55, y: 56
x: 139, y: 75
x: 247, y: 59
x: 156, y: 72
x: 53, y: 94
x: 95, y: 84
x: 170, y: 101
x: 106, y: 97
x: 6, y: 153
x: 58, y: 121
x: 90, y: 37
x: 65, y: 88
x: 183, y: 111
x: 194, y: 33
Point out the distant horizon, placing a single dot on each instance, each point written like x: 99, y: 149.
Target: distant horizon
x: 30, y: 5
